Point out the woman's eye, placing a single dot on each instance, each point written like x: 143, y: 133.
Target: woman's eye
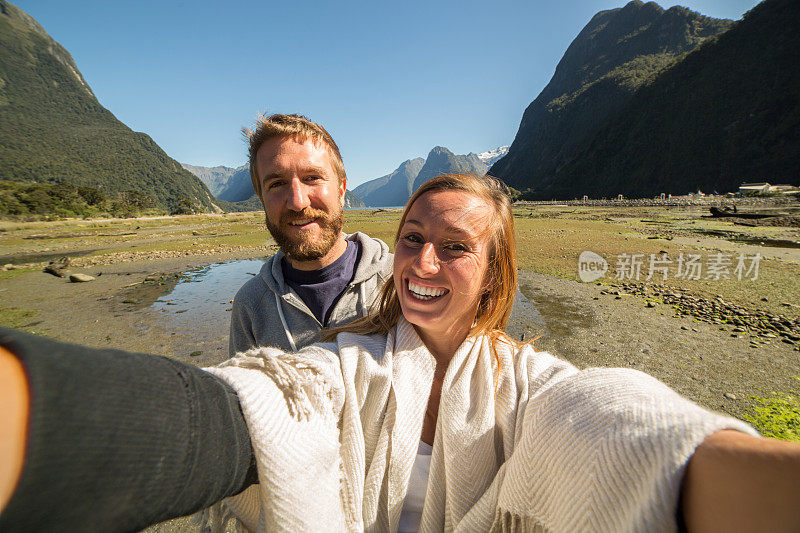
x: 456, y: 247
x: 412, y: 238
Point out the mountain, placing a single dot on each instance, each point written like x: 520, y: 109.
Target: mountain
x: 617, y: 52
x: 440, y: 160
x: 396, y: 188
x: 53, y: 129
x: 728, y: 113
x: 229, y: 184
x: 215, y: 178
x: 491, y: 156
x: 352, y: 200
x: 238, y: 187
x: 392, y: 189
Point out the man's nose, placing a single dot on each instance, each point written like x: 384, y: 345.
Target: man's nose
x: 298, y: 196
x: 427, y: 261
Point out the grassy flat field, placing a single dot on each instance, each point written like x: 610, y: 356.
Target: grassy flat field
x: 550, y: 239
x: 609, y: 322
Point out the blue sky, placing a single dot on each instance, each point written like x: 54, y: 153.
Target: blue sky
x: 389, y: 80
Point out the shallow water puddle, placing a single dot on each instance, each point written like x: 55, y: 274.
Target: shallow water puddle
x: 564, y: 316
x: 201, y: 297
x: 525, y: 322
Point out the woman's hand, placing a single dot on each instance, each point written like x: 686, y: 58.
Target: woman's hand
x: 737, y: 482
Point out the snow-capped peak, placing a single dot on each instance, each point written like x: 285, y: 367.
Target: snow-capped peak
x: 490, y: 156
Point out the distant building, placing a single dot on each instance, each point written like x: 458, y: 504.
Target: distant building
x: 784, y: 189
x: 754, y: 187
x: 765, y: 188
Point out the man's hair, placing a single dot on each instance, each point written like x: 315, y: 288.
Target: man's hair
x: 497, y: 300
x: 289, y: 126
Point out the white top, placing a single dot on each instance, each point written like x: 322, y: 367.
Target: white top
x: 411, y: 516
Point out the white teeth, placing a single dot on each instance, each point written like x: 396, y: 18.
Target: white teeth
x: 424, y: 293
x: 300, y: 222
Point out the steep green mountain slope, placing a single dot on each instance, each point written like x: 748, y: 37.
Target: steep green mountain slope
x: 617, y: 52
x: 728, y: 113
x: 53, y: 129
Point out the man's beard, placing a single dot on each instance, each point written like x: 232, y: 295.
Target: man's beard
x: 307, y: 250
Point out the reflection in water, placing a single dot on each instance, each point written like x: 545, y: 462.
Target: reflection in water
x: 525, y: 322
x: 202, y: 298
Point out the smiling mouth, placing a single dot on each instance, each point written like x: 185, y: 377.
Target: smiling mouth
x: 425, y: 293
x: 301, y: 222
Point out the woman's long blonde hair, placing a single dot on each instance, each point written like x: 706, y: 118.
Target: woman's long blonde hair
x: 501, y: 275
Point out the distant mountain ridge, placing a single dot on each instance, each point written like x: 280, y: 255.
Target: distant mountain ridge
x: 617, y: 52
x: 53, y: 129
x: 396, y: 188
x: 215, y: 178
x: 387, y: 190
x: 235, y: 188
x: 440, y: 160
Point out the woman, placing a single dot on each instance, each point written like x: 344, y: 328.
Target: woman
x: 517, y: 439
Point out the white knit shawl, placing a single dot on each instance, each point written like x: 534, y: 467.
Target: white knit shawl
x: 532, y: 445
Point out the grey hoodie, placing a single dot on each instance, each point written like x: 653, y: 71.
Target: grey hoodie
x: 267, y: 312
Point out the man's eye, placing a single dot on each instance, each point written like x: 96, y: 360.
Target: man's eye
x: 274, y: 184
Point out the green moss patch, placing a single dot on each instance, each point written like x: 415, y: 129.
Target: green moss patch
x: 777, y: 417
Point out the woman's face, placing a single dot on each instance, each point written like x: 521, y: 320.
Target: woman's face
x: 440, y: 262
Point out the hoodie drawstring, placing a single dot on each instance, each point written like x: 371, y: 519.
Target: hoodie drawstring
x: 363, y: 298
x: 283, y: 321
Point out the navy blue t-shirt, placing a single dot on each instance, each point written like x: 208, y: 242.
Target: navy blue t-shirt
x: 321, y: 289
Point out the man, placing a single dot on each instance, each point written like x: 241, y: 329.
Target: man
x: 320, y: 277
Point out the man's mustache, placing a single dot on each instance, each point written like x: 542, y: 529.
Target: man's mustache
x: 305, y: 214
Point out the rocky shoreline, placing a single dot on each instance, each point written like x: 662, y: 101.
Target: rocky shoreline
x: 760, y: 326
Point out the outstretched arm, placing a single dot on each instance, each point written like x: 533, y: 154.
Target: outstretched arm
x: 111, y: 440
x: 737, y: 482
x: 14, y: 397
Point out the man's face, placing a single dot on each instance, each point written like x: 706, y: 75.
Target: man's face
x: 302, y: 198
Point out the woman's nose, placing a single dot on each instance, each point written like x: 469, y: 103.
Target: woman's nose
x: 427, y: 261
x: 298, y: 196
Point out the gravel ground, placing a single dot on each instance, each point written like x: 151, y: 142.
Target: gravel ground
x: 709, y: 363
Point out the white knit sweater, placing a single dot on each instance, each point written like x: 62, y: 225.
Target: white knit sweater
x: 532, y: 445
